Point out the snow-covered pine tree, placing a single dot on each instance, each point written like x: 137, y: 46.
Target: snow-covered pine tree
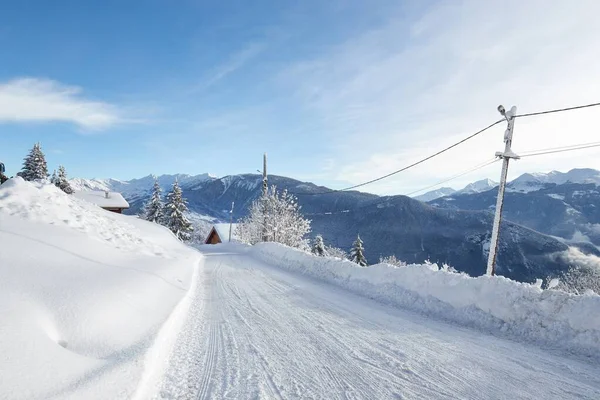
x: 357, y: 253
x: 318, y: 247
x: 34, y: 165
x: 61, y: 180
x: 174, y: 218
x: 53, y: 178
x: 153, y: 210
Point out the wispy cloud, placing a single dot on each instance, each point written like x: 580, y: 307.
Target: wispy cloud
x: 235, y: 62
x: 404, y: 90
x: 44, y: 100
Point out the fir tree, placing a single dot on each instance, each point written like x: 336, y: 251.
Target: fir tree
x: 53, y: 178
x: 61, y: 181
x: 34, y: 165
x: 153, y: 211
x: 357, y: 253
x: 174, y: 218
x: 318, y: 247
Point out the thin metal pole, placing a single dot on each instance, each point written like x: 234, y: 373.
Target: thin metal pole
x: 506, y: 156
x: 264, y: 199
x: 231, y: 220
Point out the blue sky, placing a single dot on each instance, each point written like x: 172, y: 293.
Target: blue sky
x: 336, y: 92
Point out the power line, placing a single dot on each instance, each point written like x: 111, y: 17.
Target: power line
x: 450, y: 147
x: 560, y: 150
x: 472, y: 169
x: 524, y: 153
x: 404, y: 168
x: 479, y: 166
x: 558, y: 110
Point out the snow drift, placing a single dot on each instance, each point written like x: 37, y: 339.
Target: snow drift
x: 497, y: 304
x: 83, y: 295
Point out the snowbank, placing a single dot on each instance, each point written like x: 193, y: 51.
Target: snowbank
x: 497, y: 304
x: 83, y: 295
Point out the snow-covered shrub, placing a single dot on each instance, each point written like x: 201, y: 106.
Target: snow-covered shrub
x: 336, y: 252
x: 275, y: 217
x: 61, y: 181
x: 318, y: 247
x: 579, y: 280
x: 392, y: 260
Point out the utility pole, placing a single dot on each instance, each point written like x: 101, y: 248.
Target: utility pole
x: 231, y: 220
x: 264, y: 199
x: 506, y: 156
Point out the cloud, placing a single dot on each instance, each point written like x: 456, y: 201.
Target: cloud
x: 235, y: 62
x: 575, y: 257
x: 392, y: 95
x: 44, y: 100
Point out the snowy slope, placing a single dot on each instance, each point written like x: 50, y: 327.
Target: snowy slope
x: 83, y: 296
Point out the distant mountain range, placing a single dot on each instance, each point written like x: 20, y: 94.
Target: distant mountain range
x: 475, y: 187
x: 523, y: 184
x: 539, y: 225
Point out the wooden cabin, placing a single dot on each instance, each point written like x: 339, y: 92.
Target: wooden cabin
x: 219, y: 233
x: 110, y: 201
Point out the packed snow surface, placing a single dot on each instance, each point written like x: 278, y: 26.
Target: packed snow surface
x: 84, y: 296
x: 495, y: 303
x: 270, y: 330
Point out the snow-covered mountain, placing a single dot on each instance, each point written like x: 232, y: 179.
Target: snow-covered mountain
x: 435, y: 194
x: 482, y: 185
x: 139, y: 188
x: 536, y: 181
x: 525, y: 183
x: 475, y: 187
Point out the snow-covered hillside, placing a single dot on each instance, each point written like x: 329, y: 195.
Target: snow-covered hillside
x: 84, y: 296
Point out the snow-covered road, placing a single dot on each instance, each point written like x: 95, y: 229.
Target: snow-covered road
x: 255, y: 331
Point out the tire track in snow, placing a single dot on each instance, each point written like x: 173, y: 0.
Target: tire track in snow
x: 266, y: 333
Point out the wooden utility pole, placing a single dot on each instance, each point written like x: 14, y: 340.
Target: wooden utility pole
x: 231, y: 220
x: 506, y: 156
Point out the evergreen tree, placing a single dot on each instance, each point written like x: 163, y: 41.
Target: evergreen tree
x: 53, y: 178
x: 174, y: 210
x: 153, y: 211
x: 61, y: 180
x: 357, y: 253
x: 34, y: 165
x: 318, y: 247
